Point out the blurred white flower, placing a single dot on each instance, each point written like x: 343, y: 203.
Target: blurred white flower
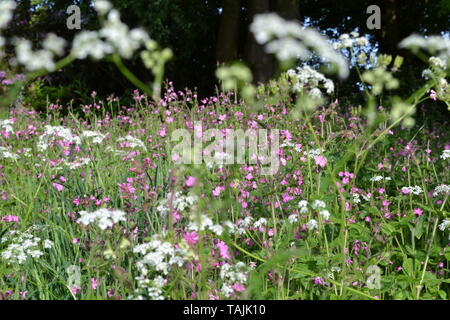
x: 6, y: 12
x: 88, y: 43
x: 23, y: 245
x: 444, y: 225
x: 436, y: 45
x: 54, y: 44
x: 103, y: 218
x: 441, y: 189
x: 33, y: 60
x: 325, y: 214
x: 445, y: 154
x: 102, y: 6
x: 286, y: 39
x: 118, y: 35
x: 306, y: 78
x: 312, y: 224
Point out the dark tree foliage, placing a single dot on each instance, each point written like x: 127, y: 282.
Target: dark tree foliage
x: 202, y: 33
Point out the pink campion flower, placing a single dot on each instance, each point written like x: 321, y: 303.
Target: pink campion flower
x: 190, y: 181
x: 94, y: 284
x: 10, y: 218
x: 23, y: 294
x: 163, y: 132
x: 75, y: 240
x: 318, y: 280
x: 405, y: 191
x: 76, y: 201
x: 223, y: 250
x: 75, y: 290
x: 433, y: 95
x: 176, y: 216
x: 191, y: 237
x: 238, y: 287
x: 418, y: 212
x: 58, y: 187
x: 126, y: 187
x: 218, y: 190
x: 320, y: 161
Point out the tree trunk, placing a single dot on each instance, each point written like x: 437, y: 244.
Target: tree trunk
x: 261, y: 63
x: 389, y: 27
x: 288, y: 9
x: 228, y: 38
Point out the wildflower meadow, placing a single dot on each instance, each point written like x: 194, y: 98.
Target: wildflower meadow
x: 285, y: 189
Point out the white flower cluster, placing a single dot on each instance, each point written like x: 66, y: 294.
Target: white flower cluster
x: 157, y: 257
x: 436, y: 45
x: 416, y: 190
x: 442, y: 189
x: 113, y: 37
x: 23, y: 245
x: 296, y: 147
x: 97, y: 137
x: 133, y: 142
x: 437, y: 72
x: 313, y: 152
x: 288, y: 40
x: 356, y: 197
x: 89, y: 44
x: 312, y: 224
x: 179, y: 202
x: 118, y: 37
x: 445, y: 154
x: 306, y: 78
x: 318, y: 205
x: 233, y: 275
x: 77, y: 163
x: 350, y: 40
x: 6, y: 13
x: 51, y: 132
x: 204, y: 223
x: 293, y: 218
x: 102, y: 6
x: 262, y: 222
x: 6, y: 125
x: 238, y: 229
x: 103, y: 218
x: 43, y: 58
x: 303, y: 205
x: 444, y: 225
x: 380, y: 178
x: 7, y: 154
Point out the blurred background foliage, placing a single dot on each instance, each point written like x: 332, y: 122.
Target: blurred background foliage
x: 203, y: 33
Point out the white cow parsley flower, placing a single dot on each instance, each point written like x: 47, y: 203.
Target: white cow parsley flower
x: 445, y: 154
x: 103, y: 218
x: 288, y: 40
